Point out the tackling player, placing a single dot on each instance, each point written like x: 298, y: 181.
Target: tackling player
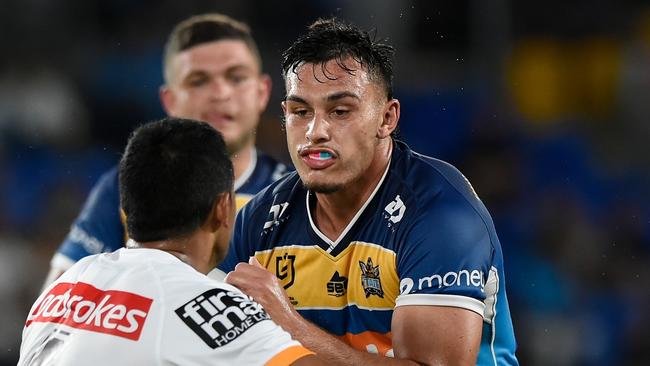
x: 151, y: 303
x: 372, y: 247
x: 213, y: 73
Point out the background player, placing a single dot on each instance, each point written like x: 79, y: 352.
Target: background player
x: 389, y: 250
x: 150, y: 303
x: 213, y: 73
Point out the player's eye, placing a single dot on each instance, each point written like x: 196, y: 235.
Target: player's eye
x: 196, y: 81
x: 237, y: 78
x: 302, y: 112
x: 340, y: 113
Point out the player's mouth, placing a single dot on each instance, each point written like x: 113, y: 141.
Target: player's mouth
x: 217, y: 119
x: 317, y: 158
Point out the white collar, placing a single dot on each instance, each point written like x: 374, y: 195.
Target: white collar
x: 333, y: 244
x: 252, y: 163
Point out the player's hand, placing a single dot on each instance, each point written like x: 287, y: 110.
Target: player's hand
x: 258, y: 283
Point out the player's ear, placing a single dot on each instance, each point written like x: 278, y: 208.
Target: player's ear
x: 222, y: 213
x: 390, y: 118
x: 265, y: 85
x: 167, y: 99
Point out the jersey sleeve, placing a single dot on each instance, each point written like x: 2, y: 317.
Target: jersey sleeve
x: 223, y: 326
x: 446, y: 257
x: 98, y: 228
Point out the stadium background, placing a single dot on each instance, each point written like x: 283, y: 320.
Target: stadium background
x: 545, y: 106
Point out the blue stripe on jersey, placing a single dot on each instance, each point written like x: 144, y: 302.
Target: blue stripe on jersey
x: 350, y: 320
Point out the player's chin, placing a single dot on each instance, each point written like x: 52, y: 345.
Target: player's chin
x: 322, y: 186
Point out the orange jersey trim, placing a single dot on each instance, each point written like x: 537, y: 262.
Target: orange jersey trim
x: 288, y: 356
x: 381, y: 343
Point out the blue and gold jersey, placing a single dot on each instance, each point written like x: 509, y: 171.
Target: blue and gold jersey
x: 422, y: 238
x: 100, y: 225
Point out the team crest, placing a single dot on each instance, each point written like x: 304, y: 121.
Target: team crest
x: 370, y: 279
x: 285, y: 269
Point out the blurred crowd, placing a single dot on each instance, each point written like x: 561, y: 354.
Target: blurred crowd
x: 545, y: 106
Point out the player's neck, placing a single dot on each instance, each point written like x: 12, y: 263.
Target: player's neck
x: 334, y: 211
x: 189, y: 250
x: 242, y: 160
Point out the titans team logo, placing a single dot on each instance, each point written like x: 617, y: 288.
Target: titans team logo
x: 370, y: 279
x: 285, y: 269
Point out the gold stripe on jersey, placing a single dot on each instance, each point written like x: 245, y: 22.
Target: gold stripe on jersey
x: 241, y: 199
x: 315, y: 279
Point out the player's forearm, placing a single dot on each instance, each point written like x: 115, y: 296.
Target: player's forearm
x: 331, y: 349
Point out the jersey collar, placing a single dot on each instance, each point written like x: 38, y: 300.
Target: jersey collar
x: 252, y: 163
x: 332, y: 244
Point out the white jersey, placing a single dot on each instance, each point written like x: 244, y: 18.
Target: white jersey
x: 146, y: 307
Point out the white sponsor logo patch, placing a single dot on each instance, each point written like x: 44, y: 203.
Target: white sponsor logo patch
x: 219, y: 316
x: 473, y: 278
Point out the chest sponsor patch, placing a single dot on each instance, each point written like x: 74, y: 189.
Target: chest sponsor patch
x: 219, y: 316
x: 83, y: 306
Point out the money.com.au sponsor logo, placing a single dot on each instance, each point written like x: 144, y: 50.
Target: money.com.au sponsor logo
x: 473, y: 278
x: 84, y: 306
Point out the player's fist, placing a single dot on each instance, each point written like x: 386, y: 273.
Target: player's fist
x: 255, y: 281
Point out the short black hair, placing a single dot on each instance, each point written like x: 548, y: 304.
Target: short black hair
x: 172, y: 172
x: 206, y: 28
x: 332, y: 39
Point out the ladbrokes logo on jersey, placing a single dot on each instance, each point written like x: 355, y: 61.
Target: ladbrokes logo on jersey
x: 219, y: 316
x: 83, y: 306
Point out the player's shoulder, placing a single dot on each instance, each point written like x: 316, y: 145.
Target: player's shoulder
x: 414, y: 169
x: 435, y: 191
x: 285, y: 189
x: 78, y: 268
x: 109, y: 179
x: 429, y: 179
x: 438, y: 205
x: 176, y: 281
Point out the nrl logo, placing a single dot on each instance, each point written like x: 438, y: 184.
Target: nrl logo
x: 370, y: 279
x: 285, y: 269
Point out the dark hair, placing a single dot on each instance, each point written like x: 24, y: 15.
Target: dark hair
x: 172, y: 172
x: 331, y: 39
x: 206, y: 28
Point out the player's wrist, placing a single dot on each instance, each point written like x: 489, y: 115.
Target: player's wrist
x: 294, y: 323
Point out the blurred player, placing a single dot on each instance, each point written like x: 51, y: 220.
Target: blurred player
x: 385, y: 250
x: 213, y: 73
x: 150, y: 303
